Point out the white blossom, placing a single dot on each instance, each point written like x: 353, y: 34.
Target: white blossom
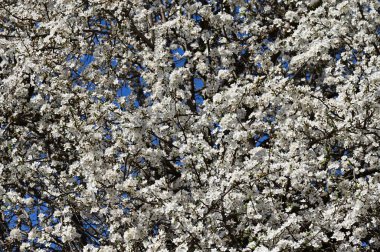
x: 189, y: 125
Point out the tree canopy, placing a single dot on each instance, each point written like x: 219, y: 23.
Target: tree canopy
x: 189, y: 125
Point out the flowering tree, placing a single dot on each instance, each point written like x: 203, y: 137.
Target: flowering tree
x: 197, y: 125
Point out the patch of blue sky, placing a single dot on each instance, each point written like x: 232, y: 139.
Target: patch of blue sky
x: 124, y: 196
x: 33, y: 216
x: 155, y: 141
x: 107, y: 131
x: 199, y: 99
x: 114, y: 63
x: 105, y: 23
x: 86, y: 60
x: 364, y: 244
x: 157, y: 17
x: 338, y: 54
x: 136, y: 104
x: 216, y: 146
x: 236, y: 10
x: 3, y: 126
x: 347, y: 71
x: 139, y: 67
x: 179, y: 162
x: 134, y: 173
x: 95, y: 126
x: 90, y: 86
x: 178, y: 60
x: 74, y: 75
x: 339, y: 172
x: 55, y: 247
x: 155, y: 230
x: 71, y: 57
x: 148, y: 94
x: 217, y: 125
x: 264, y: 48
x: 346, y: 153
x: 25, y: 228
x: 142, y: 81
x: 243, y: 52
x: 105, y: 27
x: 261, y: 139
x: 285, y: 64
x: 102, y: 99
x: 238, y: 17
x: 197, y: 18
x: 96, y: 40
x: 308, y: 76
x: 77, y: 180
x: 108, y: 137
x: 141, y: 160
x: 242, y: 35
x: 45, y: 209
x: 126, y: 210
x: 269, y: 119
x: 88, y: 225
x: 214, y: 130
x: 124, y: 91
x: 367, y: 8
x: 198, y: 84
x: 11, y: 218
x: 123, y: 168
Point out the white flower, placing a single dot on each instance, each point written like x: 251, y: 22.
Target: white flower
x: 131, y: 234
x: 15, y: 234
x: 68, y: 234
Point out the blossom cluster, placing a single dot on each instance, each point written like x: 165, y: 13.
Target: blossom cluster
x: 197, y: 125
